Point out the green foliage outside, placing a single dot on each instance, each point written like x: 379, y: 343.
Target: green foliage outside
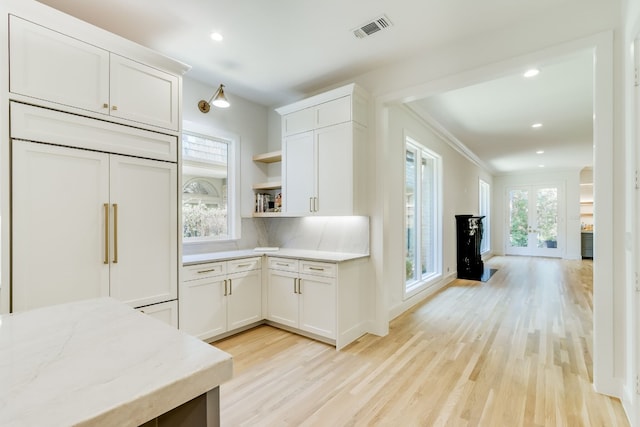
x: 547, y: 209
x: 202, y: 221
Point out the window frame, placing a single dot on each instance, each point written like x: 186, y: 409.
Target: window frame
x: 424, y: 281
x: 233, y: 179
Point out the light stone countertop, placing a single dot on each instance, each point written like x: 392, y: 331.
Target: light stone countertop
x: 99, y: 362
x: 281, y: 252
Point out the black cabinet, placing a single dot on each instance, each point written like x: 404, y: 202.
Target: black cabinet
x: 469, y: 238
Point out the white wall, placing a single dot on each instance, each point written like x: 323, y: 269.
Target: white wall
x: 568, y: 215
x: 460, y: 182
x: 244, y: 121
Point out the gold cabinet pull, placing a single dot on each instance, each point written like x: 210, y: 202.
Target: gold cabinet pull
x: 300, y: 286
x: 230, y: 287
x: 206, y: 271
x: 225, y: 287
x: 114, y: 108
x: 106, y: 233
x: 105, y: 105
x: 295, y: 288
x: 115, y: 233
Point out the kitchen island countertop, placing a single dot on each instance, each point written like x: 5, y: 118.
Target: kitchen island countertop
x: 99, y: 362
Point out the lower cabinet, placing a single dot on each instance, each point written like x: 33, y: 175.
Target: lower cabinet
x: 302, y: 295
x: 219, y: 297
x: 327, y: 301
x: 165, y: 311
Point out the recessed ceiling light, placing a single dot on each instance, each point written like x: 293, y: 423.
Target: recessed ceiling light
x: 215, y: 36
x: 540, y: 166
x: 536, y: 125
x: 531, y: 73
x: 540, y: 152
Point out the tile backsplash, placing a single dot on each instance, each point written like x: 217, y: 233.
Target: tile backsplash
x: 332, y: 234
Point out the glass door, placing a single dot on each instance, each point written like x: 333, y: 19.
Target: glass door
x: 532, y: 226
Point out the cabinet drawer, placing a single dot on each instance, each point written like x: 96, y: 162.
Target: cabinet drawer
x: 164, y: 311
x: 245, y: 264
x: 333, y: 112
x: 284, y: 264
x: 202, y: 271
x: 318, y: 268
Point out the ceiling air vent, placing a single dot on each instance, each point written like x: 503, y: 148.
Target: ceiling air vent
x: 374, y: 26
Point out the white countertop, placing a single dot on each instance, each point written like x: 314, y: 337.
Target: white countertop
x: 99, y: 362
x: 281, y: 252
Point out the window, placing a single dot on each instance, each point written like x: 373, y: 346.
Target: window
x: 422, y: 217
x: 207, y: 197
x: 484, y: 197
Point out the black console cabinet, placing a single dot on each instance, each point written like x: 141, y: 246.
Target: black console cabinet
x: 469, y: 236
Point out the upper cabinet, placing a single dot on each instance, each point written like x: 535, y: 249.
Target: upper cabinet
x: 57, y: 68
x: 324, y: 153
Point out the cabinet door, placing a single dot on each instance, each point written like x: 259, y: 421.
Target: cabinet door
x: 244, y: 299
x: 335, y: 170
x: 318, y: 305
x: 47, y: 65
x: 282, y: 301
x: 298, y: 173
x: 58, y: 225
x: 144, y: 212
x: 166, y: 312
x: 203, y: 311
x: 143, y: 94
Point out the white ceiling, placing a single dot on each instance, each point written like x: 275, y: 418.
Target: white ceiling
x: 494, y: 119
x: 276, y: 51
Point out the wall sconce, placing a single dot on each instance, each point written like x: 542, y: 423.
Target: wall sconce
x: 218, y: 100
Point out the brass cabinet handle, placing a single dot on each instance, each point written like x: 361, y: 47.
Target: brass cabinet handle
x: 315, y: 204
x: 299, y: 286
x: 310, y: 204
x: 114, y: 108
x: 225, y: 287
x: 284, y: 264
x: 206, y: 271
x: 115, y: 233
x: 316, y: 269
x: 105, y: 105
x: 243, y: 265
x: 106, y: 233
x: 295, y: 289
x: 230, y: 287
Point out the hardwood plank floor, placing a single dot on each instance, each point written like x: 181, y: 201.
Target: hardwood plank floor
x: 514, y: 351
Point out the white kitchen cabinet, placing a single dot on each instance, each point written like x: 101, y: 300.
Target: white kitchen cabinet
x: 58, y: 225
x: 302, y: 295
x: 299, y: 176
x: 144, y: 209
x: 323, y: 171
x: 143, y: 94
x: 324, y: 154
x: 166, y: 312
x: 50, y: 66
x: 89, y: 224
x: 219, y: 297
x: 318, y: 116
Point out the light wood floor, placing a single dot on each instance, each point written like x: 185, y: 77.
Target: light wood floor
x: 514, y: 351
